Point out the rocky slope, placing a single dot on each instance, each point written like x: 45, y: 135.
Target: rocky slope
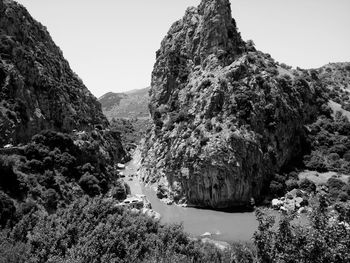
x: 226, y: 117
x: 38, y: 90
x: 62, y: 147
x: 336, y: 77
x: 132, y: 104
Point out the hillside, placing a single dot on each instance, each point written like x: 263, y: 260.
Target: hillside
x: 58, y: 144
x: 226, y: 117
x: 38, y: 89
x: 336, y: 77
x: 128, y: 105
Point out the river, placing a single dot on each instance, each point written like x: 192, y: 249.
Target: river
x: 223, y: 226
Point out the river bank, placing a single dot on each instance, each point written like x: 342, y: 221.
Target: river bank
x: 218, y: 225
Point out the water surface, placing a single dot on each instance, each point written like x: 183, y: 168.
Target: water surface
x: 223, y: 226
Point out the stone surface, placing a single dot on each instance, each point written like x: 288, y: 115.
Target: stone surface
x: 225, y: 116
x: 38, y: 89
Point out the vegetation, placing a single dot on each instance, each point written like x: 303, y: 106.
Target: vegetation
x: 131, y: 130
x: 54, y: 169
x: 326, y: 238
x: 330, y: 145
x: 95, y: 230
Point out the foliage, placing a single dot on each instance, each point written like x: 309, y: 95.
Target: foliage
x: 326, y: 238
x: 54, y: 169
x: 131, y: 130
x: 307, y: 185
x: 292, y: 184
x: 95, y: 230
x: 330, y: 144
x: 7, y: 209
x: 276, y: 188
x: 336, y: 189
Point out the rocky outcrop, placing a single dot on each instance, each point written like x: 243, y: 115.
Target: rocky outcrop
x: 38, y: 90
x: 225, y: 116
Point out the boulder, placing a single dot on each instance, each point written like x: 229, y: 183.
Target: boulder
x: 276, y: 203
x: 120, y: 166
x: 206, y: 234
x: 151, y: 213
x: 218, y: 244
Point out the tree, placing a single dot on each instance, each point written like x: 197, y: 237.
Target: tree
x: 89, y: 184
x: 7, y: 209
x: 325, y: 239
x: 307, y: 185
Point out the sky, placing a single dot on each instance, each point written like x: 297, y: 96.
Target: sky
x: 111, y: 44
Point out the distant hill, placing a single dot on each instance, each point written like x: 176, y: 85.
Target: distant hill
x: 336, y: 77
x: 131, y: 104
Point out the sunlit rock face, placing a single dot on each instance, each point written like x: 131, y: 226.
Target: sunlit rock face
x: 38, y: 89
x: 225, y: 116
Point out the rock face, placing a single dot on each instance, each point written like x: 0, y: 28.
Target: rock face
x: 38, y: 90
x: 225, y: 116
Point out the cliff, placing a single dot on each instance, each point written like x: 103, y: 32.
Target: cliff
x: 38, y: 89
x: 226, y: 117
x: 62, y: 147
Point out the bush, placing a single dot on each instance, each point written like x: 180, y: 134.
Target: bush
x: 50, y: 198
x: 335, y: 187
x: 291, y: 184
x: 276, y: 188
x: 7, y: 209
x: 343, y: 196
x: 119, y: 192
x: 307, y: 185
x: 324, y: 239
x: 95, y: 230
x: 89, y: 184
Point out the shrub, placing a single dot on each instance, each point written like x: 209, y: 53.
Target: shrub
x: 98, y: 231
x: 276, y: 188
x: 50, y: 197
x: 89, y: 184
x: 27, y: 207
x: 7, y: 209
x: 322, y: 240
x: 9, y: 181
x: 307, y: 185
x: 119, y: 192
x: 343, y: 196
x: 335, y: 187
x: 291, y: 184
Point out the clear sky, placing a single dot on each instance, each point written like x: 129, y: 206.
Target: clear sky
x: 111, y: 44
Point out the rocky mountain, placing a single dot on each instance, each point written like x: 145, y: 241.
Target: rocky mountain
x: 132, y: 104
x: 225, y: 117
x: 59, y: 145
x: 38, y: 89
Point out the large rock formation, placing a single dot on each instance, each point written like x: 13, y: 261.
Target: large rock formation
x: 38, y: 90
x: 225, y: 116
